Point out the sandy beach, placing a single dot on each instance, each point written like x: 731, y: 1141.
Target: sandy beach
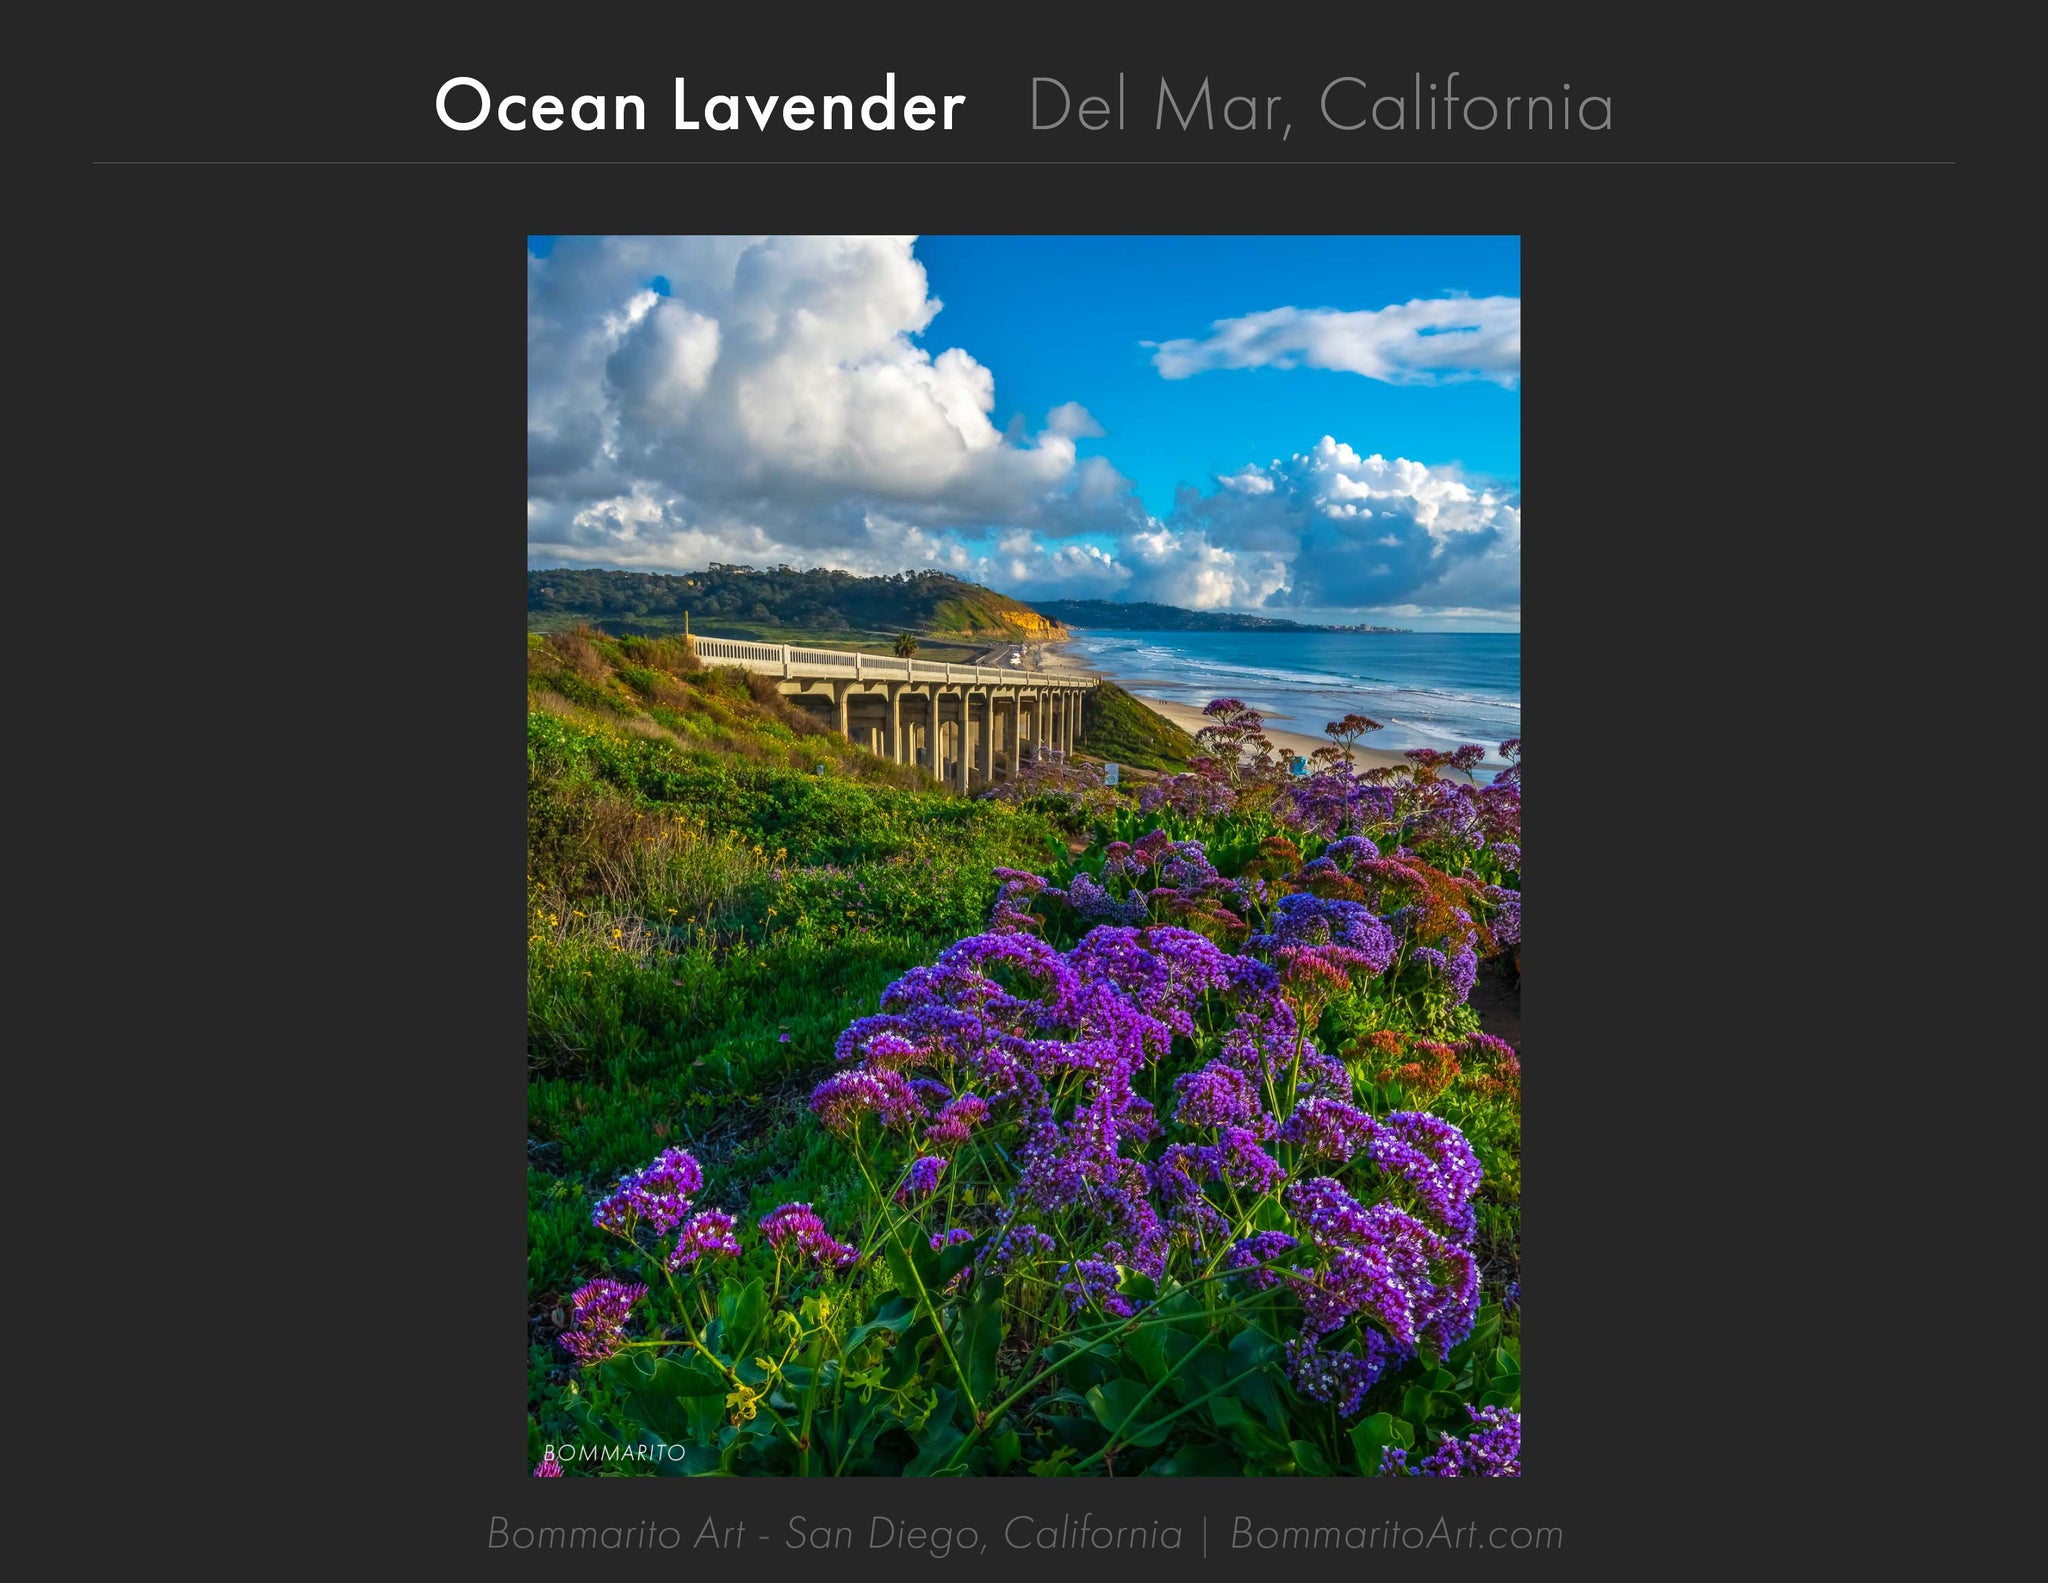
x: 1061, y: 657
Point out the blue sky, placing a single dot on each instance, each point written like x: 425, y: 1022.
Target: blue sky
x: 1325, y: 427
x: 1064, y: 318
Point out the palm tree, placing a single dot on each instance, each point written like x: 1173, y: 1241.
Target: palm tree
x: 906, y: 645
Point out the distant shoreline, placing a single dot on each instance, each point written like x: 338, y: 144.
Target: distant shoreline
x: 1190, y: 719
x: 1103, y: 617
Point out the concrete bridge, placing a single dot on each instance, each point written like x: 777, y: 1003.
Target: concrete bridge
x: 970, y: 725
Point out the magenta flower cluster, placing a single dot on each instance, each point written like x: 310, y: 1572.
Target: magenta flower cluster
x: 657, y: 1197
x: 708, y: 1235
x: 794, y: 1231
x: 597, y: 1321
x: 1053, y: 1053
x: 1492, y: 1450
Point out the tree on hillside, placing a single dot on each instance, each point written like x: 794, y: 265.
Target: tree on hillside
x: 906, y: 644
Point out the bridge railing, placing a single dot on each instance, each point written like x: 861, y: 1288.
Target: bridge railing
x: 785, y: 659
x: 730, y: 649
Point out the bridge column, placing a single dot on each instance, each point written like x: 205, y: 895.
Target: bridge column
x: 932, y: 701
x: 843, y: 691
x: 895, y: 723
x: 966, y: 760
x: 988, y: 738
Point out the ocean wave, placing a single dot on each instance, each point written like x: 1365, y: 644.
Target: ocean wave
x: 1437, y: 731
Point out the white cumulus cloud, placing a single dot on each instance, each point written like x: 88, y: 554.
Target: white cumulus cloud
x: 1424, y: 342
x: 771, y: 399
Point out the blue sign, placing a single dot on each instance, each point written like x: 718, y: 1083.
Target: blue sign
x: 1299, y: 767
x: 1109, y: 773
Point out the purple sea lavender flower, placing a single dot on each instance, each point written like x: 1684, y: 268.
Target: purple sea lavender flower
x: 1348, y: 849
x: 894, y: 1051
x: 1261, y: 1247
x: 923, y: 1179
x: 845, y: 1097
x: 1322, y: 1076
x: 598, y: 1314
x: 951, y: 1237
x: 1326, y: 1128
x: 1185, y: 866
x: 1342, y: 1378
x: 1019, y: 1245
x: 1303, y: 919
x: 1096, y: 905
x: 1177, y: 1175
x: 1486, y: 1047
x: 1235, y: 1158
x: 1197, y: 1225
x: 957, y: 1118
x: 657, y: 1196
x: 851, y: 1046
x: 1493, y: 1449
x: 1218, y: 1095
x: 707, y: 1235
x: 1507, y: 915
x: 970, y: 959
x: 1094, y: 1281
x: 795, y: 1231
x: 1193, y: 961
x: 548, y: 1467
x: 1384, y: 1264
x: 1434, y: 1161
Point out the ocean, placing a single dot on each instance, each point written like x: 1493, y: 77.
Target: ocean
x: 1430, y: 689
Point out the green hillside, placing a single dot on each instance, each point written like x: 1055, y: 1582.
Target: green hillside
x: 1117, y: 727
x: 791, y: 605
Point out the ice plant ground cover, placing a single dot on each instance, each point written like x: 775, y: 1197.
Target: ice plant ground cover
x: 1186, y: 1154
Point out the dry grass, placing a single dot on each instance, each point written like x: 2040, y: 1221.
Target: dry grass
x: 661, y: 654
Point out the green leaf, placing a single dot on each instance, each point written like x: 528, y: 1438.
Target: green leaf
x: 1008, y: 1449
x: 982, y: 1334
x: 1309, y: 1460
x: 1147, y: 1350
x: 901, y: 1271
x: 1115, y: 1400
x: 897, y: 1313
x: 935, y: 1442
x: 741, y: 1312
x: 1369, y: 1436
x: 1200, y: 1373
x: 1205, y: 1459
x: 1251, y: 1347
x: 1114, y: 1403
x: 681, y: 1400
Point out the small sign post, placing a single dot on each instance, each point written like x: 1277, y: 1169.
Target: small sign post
x: 1109, y: 774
